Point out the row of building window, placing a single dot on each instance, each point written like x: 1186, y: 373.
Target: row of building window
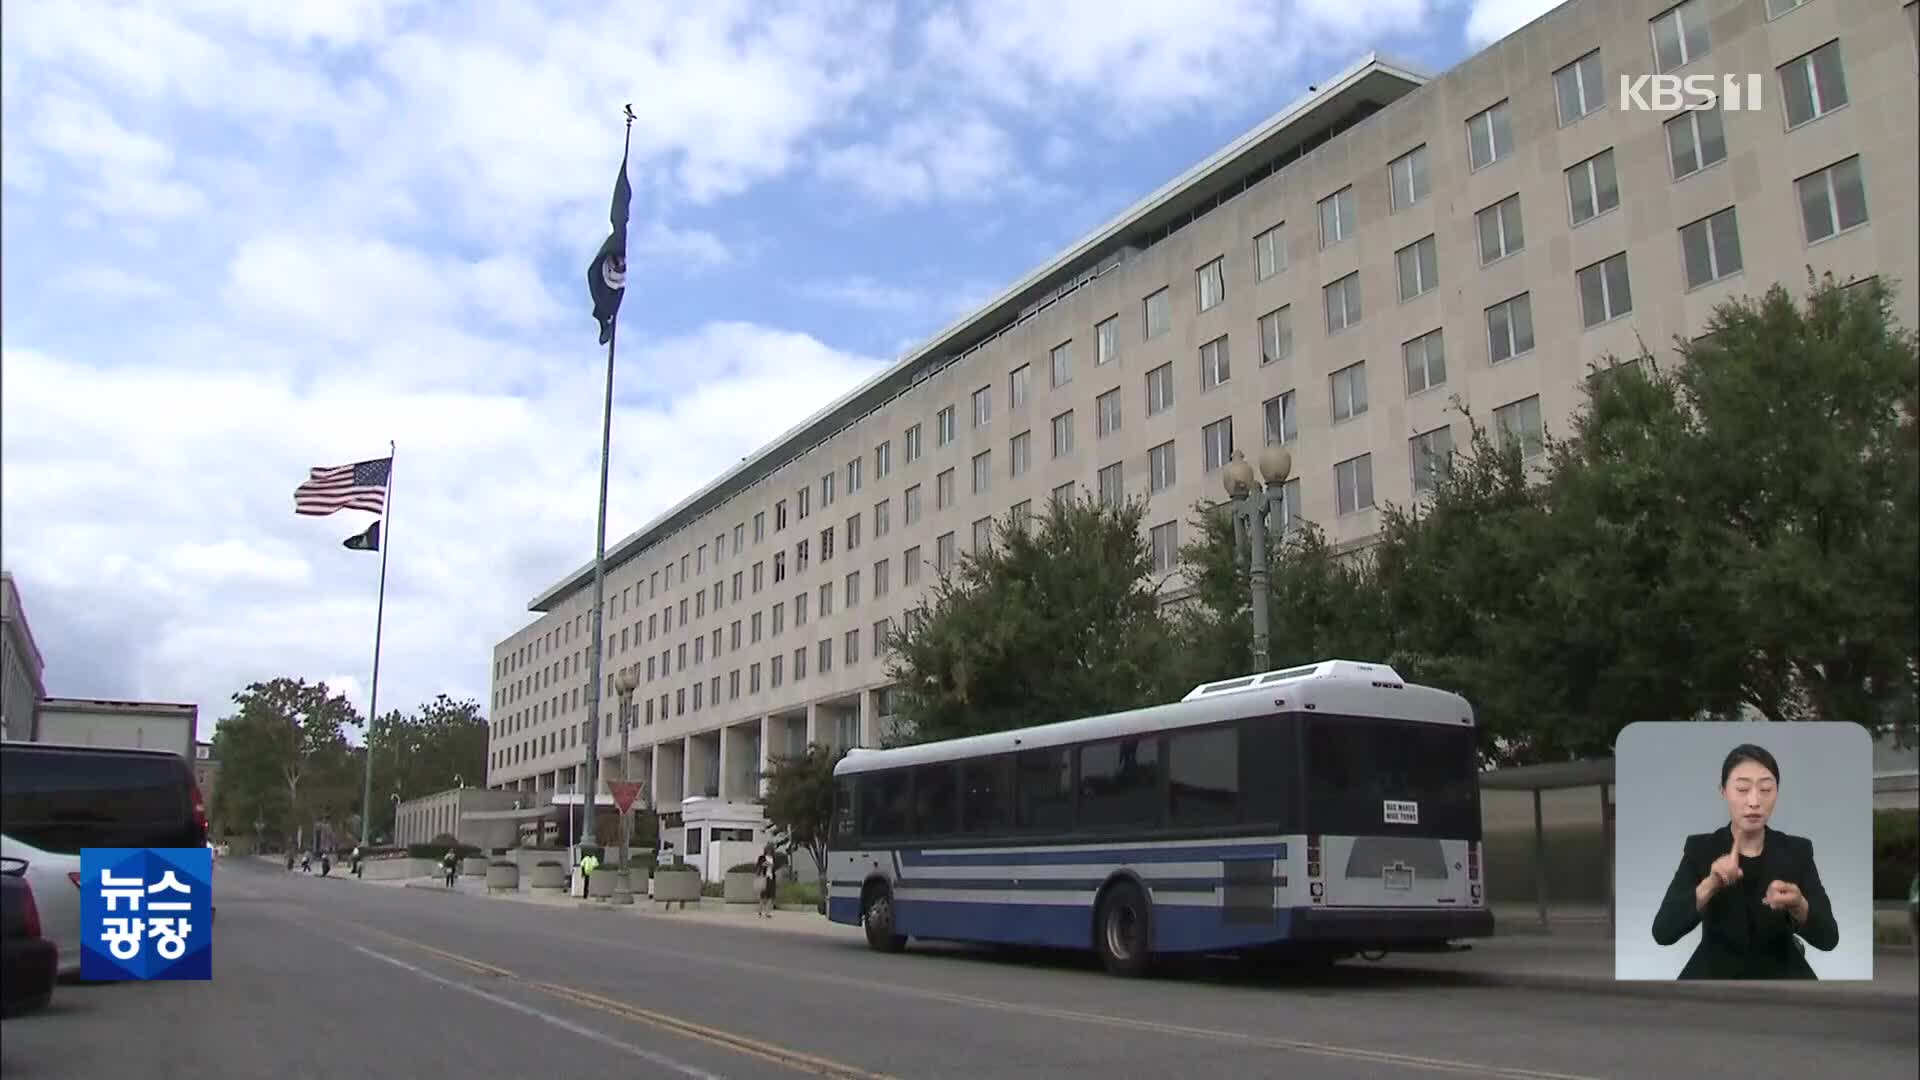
x: 1831, y: 200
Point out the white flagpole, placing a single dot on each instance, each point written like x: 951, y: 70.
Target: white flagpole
x: 379, y: 625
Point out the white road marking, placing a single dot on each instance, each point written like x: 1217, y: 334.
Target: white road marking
x: 557, y: 1021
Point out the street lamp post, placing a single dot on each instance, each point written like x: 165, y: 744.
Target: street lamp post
x: 624, y: 684
x: 1251, y: 494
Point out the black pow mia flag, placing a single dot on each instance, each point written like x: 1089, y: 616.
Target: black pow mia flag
x: 607, y: 274
x: 364, y: 541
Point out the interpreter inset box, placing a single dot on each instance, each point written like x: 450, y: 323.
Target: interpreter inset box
x: 1744, y: 851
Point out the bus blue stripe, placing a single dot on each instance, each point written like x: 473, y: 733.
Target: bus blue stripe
x: 1070, y: 926
x: 1093, y: 856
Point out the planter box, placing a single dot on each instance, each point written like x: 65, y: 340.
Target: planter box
x: 680, y: 885
x: 740, y: 887
x: 473, y: 866
x: 548, y: 879
x: 396, y: 869
x: 600, y: 884
x: 503, y: 878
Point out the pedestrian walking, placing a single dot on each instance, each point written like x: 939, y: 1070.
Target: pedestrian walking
x: 764, y: 868
x: 450, y: 864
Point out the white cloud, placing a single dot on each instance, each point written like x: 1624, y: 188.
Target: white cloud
x: 128, y: 173
x: 113, y: 282
x: 361, y: 289
x: 164, y: 496
x: 967, y: 158
x: 1136, y: 60
x: 1492, y: 20
x: 367, y: 220
x: 690, y: 250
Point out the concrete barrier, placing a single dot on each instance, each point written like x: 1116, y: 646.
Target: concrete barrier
x: 503, y: 877
x: 600, y: 885
x: 548, y: 878
x: 397, y: 869
x: 682, y: 886
x: 739, y: 887
x: 473, y: 866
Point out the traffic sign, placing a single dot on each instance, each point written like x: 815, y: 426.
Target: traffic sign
x: 624, y: 793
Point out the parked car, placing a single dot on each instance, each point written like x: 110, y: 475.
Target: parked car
x: 61, y: 799
x: 28, y: 961
x: 56, y: 894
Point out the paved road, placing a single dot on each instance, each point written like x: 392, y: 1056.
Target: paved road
x: 327, y: 978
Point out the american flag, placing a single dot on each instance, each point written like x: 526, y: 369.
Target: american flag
x: 360, y: 486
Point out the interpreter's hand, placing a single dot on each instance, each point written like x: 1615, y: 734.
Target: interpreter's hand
x: 1726, y: 868
x: 1786, y: 896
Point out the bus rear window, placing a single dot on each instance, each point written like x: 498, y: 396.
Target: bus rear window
x: 1355, y: 765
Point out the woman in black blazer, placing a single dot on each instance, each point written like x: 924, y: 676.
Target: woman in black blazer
x: 1753, y: 890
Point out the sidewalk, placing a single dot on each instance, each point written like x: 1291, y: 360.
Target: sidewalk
x: 1576, y: 956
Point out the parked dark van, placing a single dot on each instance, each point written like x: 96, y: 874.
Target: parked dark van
x: 63, y: 798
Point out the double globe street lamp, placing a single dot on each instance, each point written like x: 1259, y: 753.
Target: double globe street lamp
x: 1250, y: 495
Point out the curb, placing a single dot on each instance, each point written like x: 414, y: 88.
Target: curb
x: 1813, y: 995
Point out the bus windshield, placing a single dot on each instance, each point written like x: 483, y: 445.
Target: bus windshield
x: 1355, y: 765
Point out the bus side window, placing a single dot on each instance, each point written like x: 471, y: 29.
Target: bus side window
x: 1204, y: 776
x: 1270, y: 771
x: 885, y: 805
x: 1045, y: 793
x: 845, y: 794
x: 936, y: 804
x: 986, y: 799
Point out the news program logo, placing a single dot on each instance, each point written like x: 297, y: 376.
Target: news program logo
x: 146, y: 913
x: 1676, y: 93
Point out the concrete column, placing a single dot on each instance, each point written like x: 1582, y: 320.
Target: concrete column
x: 767, y: 726
x: 726, y: 758
x: 868, y: 735
x: 653, y: 774
x: 688, y: 745
x: 814, y: 734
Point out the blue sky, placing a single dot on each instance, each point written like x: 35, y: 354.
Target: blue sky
x: 242, y: 238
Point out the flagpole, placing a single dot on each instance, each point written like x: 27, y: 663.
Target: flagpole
x: 379, y: 625
x: 589, y: 834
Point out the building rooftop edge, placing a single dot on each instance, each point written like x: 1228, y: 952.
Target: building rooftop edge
x: 770, y: 457
x: 118, y: 704
x: 20, y: 619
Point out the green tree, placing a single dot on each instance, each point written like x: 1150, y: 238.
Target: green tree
x: 428, y: 750
x: 799, y: 801
x: 1321, y: 603
x: 284, y: 751
x: 1804, y: 445
x: 1058, y: 618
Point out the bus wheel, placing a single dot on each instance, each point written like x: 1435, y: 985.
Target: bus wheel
x: 1121, y: 925
x: 877, y: 914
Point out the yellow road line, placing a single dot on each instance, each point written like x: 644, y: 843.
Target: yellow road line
x: 779, y: 1055
x: 727, y: 1040
x: 793, y: 1059
x: 1383, y: 1057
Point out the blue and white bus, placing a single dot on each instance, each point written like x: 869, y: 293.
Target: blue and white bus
x: 1321, y: 811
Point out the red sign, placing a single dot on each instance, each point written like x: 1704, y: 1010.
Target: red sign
x: 624, y: 793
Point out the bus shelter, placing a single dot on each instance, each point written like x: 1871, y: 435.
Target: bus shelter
x: 1555, y: 776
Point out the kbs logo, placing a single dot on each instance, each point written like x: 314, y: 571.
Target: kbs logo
x: 1674, y: 93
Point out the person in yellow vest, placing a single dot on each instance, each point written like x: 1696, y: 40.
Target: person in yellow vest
x: 588, y: 864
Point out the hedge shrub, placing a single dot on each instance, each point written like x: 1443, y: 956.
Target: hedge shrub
x: 435, y: 849
x: 1896, y: 852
